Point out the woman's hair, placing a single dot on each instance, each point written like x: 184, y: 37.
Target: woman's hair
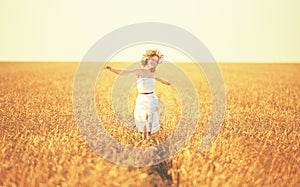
x: 151, y: 53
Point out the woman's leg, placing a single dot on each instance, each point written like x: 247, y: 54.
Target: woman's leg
x: 139, y: 117
x: 145, y: 133
x: 150, y: 118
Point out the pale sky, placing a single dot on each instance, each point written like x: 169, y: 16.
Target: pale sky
x: 232, y: 30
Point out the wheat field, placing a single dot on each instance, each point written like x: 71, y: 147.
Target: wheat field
x: 258, y: 144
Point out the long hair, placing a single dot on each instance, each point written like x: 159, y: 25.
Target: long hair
x: 150, y: 53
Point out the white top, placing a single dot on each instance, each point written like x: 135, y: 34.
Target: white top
x: 145, y: 84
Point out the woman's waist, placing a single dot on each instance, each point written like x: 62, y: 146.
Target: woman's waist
x: 147, y: 92
x: 147, y: 96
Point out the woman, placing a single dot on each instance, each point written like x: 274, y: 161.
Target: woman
x: 145, y: 112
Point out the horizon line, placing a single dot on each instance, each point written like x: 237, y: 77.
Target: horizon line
x: 43, y: 61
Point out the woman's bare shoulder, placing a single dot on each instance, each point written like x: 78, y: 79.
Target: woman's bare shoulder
x: 140, y: 71
x: 156, y: 74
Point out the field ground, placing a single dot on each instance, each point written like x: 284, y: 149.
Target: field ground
x: 258, y: 144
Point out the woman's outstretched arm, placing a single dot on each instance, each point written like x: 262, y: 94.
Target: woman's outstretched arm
x: 122, y: 72
x: 162, y: 80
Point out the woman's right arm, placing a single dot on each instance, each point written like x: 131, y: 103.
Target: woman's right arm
x: 122, y: 72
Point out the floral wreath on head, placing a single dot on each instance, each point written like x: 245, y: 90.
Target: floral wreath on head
x: 150, y: 53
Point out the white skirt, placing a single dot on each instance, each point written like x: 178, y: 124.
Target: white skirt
x: 145, y: 112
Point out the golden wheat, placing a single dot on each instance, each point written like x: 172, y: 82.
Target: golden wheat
x: 258, y: 144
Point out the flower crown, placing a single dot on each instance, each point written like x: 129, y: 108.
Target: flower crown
x: 150, y: 53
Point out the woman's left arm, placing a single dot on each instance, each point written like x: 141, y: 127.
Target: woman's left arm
x: 162, y: 80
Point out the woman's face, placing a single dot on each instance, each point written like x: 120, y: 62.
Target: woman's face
x: 152, y: 61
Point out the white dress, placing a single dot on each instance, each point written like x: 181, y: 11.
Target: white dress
x: 145, y: 112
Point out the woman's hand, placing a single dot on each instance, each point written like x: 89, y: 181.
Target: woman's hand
x: 108, y: 67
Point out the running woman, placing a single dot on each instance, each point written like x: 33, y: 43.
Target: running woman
x: 145, y: 111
